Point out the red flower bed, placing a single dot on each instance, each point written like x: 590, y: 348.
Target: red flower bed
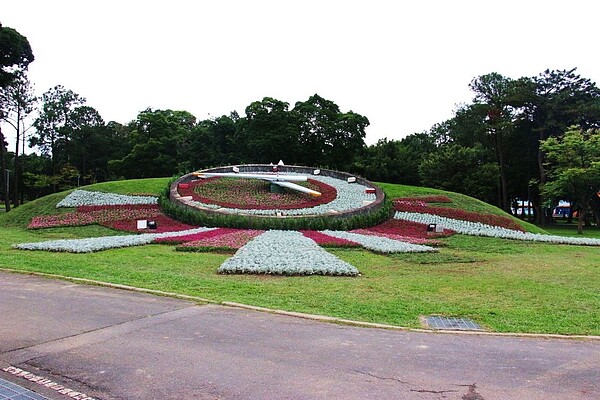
x: 88, y: 215
x: 163, y: 224
x: 195, y: 236
x: 254, y: 194
x: 436, y: 199
x: 230, y: 240
x: 85, y: 209
x: 66, y: 219
x: 454, y: 213
x: 119, y: 217
x: 329, y: 241
x: 407, y: 231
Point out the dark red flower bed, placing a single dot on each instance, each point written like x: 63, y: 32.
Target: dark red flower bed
x: 84, y: 209
x: 405, y: 231
x: 87, y: 215
x: 329, y: 241
x: 195, y: 236
x: 254, y: 194
x: 454, y: 213
x: 163, y: 224
x: 228, y: 240
x: 427, y: 199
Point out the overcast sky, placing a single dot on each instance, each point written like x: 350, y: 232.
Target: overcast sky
x: 403, y: 65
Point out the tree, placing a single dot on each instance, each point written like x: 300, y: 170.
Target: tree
x: 15, y: 54
x: 396, y: 161
x: 15, y: 57
x: 56, y: 124
x: 17, y: 100
x: 214, y: 142
x: 492, y: 96
x: 461, y: 169
x: 573, y: 164
x: 158, y: 140
x: 326, y: 136
x: 549, y: 104
x: 267, y: 132
x: 90, y: 140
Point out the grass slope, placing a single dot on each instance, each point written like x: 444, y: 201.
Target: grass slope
x: 507, y: 286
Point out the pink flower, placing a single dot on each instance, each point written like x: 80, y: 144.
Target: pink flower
x: 489, y: 219
x: 326, y: 240
x: 228, y: 239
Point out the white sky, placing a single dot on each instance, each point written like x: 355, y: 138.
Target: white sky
x: 403, y: 65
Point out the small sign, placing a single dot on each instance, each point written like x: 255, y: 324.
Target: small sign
x: 370, y: 190
x: 439, y: 229
x: 431, y: 227
x: 142, y: 223
x: 352, y: 179
x: 316, y: 172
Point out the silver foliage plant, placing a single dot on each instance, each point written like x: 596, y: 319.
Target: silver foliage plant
x: 80, y: 197
x: 380, y: 244
x: 89, y: 245
x: 285, y: 253
x: 479, y: 229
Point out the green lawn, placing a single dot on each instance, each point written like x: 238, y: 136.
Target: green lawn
x: 507, y: 286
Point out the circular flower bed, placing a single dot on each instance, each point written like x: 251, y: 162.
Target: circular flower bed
x: 254, y: 194
x: 346, y: 201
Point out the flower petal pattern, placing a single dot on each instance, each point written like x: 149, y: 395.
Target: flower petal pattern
x: 380, y: 244
x: 479, y: 229
x: 81, y: 197
x: 89, y: 245
x: 285, y: 253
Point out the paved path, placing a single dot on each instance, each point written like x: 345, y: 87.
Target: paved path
x: 112, y: 344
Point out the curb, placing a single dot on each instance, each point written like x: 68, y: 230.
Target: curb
x: 313, y: 317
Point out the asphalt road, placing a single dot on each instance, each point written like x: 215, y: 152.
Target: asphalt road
x: 113, y: 344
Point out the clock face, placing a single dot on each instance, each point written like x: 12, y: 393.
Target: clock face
x: 262, y: 198
x: 248, y: 194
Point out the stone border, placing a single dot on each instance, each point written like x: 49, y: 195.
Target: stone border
x: 264, y: 168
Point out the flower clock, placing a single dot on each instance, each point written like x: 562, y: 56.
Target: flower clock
x: 273, y: 251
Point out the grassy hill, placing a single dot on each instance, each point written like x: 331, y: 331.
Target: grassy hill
x: 505, y: 285
x: 21, y: 216
x: 46, y: 205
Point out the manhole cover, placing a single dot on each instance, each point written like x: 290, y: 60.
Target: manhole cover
x: 463, y: 324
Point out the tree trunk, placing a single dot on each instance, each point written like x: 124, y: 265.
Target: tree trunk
x: 503, y: 181
x: 4, y: 180
x: 595, y: 207
x: 16, y: 172
x: 584, y: 202
x: 580, y: 221
x: 541, y: 217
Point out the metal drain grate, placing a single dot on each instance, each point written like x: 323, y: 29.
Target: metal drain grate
x: 463, y: 324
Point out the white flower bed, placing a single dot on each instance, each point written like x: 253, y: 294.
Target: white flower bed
x: 380, y: 244
x: 479, y: 229
x: 86, y: 198
x: 89, y: 245
x: 349, y: 197
x: 285, y: 253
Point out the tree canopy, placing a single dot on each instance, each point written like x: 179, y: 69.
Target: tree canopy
x: 15, y: 54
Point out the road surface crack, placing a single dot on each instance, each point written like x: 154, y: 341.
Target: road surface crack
x: 385, y: 378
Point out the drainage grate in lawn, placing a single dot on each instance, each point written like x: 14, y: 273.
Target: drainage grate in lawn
x: 463, y: 324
